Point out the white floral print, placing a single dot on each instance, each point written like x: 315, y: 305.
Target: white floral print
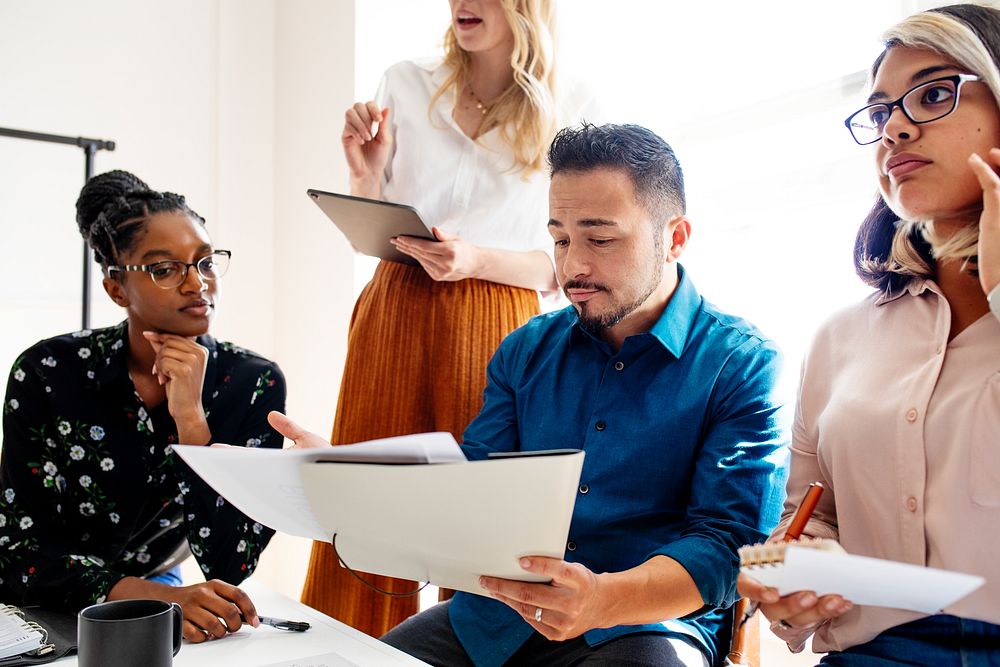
x: 205, y: 531
x: 19, y: 375
x: 8, y: 495
x: 64, y: 428
x: 87, y: 509
x: 26, y: 523
x: 50, y: 468
x: 84, y: 352
x: 76, y: 452
x: 49, y: 361
x: 96, y: 433
x: 85, y: 481
x: 107, y: 464
x: 13, y: 404
x: 114, y: 517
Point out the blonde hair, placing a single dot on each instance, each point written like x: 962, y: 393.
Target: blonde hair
x: 956, y: 32
x: 524, y: 113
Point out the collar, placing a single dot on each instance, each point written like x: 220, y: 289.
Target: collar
x: 915, y: 287
x: 674, y: 325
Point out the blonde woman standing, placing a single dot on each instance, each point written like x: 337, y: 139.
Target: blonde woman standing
x: 462, y: 139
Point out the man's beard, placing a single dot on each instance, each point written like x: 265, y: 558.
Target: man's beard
x: 599, y: 322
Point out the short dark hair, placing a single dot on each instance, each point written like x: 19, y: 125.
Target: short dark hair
x: 649, y: 161
x: 112, y: 210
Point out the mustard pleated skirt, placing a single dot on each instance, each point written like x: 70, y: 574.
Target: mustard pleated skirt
x: 417, y: 352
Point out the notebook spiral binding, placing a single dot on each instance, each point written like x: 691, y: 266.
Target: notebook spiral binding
x: 45, y: 647
x: 773, y: 553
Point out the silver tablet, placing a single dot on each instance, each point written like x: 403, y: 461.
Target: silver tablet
x: 369, y: 223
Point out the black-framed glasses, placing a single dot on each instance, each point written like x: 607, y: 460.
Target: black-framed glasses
x: 921, y: 104
x: 171, y: 273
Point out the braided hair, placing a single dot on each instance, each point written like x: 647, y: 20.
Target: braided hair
x: 113, y: 209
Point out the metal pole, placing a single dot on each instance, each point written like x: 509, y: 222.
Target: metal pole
x: 90, y: 150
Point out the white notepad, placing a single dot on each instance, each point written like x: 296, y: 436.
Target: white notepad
x: 823, y: 567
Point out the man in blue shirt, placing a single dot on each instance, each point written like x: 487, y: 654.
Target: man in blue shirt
x: 672, y: 400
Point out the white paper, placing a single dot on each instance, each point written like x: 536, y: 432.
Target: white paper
x: 266, y: 484
x: 866, y: 581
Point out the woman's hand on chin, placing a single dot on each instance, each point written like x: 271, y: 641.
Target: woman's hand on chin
x: 180, y: 367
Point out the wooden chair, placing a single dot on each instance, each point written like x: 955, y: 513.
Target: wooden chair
x: 744, y: 649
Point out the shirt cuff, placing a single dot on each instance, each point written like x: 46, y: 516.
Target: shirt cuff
x: 994, y: 300
x: 712, y: 569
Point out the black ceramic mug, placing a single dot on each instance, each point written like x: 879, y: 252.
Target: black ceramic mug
x: 129, y: 633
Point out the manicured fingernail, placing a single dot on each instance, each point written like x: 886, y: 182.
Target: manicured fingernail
x: 482, y: 581
x: 525, y: 563
x: 770, y: 595
x: 845, y: 607
x: 808, y: 599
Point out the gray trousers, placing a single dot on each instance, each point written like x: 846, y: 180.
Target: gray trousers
x: 429, y: 637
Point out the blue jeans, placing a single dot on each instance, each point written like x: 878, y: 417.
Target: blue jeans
x: 941, y: 641
x: 171, y: 577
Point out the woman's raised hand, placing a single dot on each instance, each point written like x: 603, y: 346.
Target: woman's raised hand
x: 366, y: 146
x: 989, y: 221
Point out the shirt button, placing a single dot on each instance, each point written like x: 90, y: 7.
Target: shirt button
x: 584, y: 488
x: 619, y: 365
x: 911, y: 415
x: 911, y: 504
x: 571, y: 546
x: 600, y: 426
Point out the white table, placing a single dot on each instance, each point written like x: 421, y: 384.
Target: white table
x: 330, y: 642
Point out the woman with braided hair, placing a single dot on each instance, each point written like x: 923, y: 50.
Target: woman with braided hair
x: 94, y: 504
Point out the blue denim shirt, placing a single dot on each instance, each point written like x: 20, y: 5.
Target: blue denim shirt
x: 686, y: 448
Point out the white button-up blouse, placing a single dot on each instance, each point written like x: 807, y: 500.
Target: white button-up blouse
x: 471, y: 188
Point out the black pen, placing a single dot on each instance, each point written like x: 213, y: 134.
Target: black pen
x: 282, y: 624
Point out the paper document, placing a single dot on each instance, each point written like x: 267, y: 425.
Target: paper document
x: 266, y: 484
x: 438, y: 518
x: 864, y: 580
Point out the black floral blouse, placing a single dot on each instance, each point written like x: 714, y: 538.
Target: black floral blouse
x: 90, y: 490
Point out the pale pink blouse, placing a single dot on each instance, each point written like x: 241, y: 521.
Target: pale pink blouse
x: 903, y: 428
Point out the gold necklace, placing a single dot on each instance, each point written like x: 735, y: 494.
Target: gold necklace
x: 483, y: 108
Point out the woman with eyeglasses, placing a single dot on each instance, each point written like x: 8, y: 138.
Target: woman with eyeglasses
x: 899, y: 405
x: 94, y: 504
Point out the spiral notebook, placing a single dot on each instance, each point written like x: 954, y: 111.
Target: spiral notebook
x: 35, y: 636
x: 822, y: 566
x: 19, y: 636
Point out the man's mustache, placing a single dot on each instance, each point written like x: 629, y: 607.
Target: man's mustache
x: 579, y: 284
